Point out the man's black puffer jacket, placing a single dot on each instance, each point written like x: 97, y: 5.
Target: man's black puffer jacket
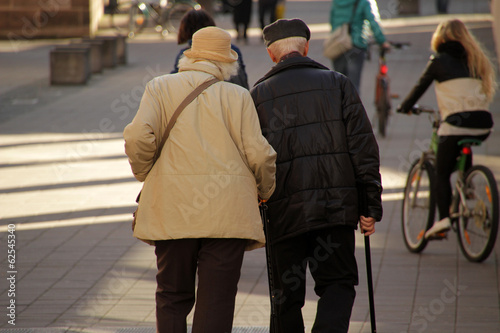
x: 318, y: 126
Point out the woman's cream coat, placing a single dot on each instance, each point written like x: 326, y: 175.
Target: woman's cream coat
x: 212, y: 167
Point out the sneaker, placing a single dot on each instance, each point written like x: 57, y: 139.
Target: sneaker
x: 437, y: 227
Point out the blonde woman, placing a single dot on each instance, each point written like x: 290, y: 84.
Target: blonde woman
x: 465, y: 85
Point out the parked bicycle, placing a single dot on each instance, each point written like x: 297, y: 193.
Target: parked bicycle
x: 474, y: 208
x: 132, y: 17
x: 383, y: 94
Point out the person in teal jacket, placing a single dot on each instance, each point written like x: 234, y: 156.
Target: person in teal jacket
x: 364, y: 16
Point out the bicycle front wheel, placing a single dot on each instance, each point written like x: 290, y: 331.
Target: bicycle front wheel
x: 419, y: 205
x: 478, y: 215
x: 172, y: 17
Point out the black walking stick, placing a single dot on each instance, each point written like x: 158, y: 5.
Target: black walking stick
x: 362, y: 201
x: 270, y: 277
x: 370, y: 283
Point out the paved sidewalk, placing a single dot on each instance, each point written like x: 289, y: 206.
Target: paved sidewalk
x: 67, y: 187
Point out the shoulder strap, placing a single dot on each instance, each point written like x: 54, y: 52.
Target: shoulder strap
x: 176, y: 114
x: 180, y: 108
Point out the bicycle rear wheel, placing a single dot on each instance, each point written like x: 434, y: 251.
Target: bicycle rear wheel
x: 137, y: 21
x: 127, y: 18
x: 382, y: 104
x: 478, y: 216
x: 383, y: 115
x: 419, y: 205
x: 120, y: 16
x: 172, y: 17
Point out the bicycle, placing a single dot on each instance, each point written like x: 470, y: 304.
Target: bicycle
x: 474, y: 208
x: 382, y: 88
x: 132, y: 17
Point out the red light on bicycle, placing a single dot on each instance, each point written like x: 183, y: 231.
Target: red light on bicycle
x: 383, y: 69
x: 466, y: 150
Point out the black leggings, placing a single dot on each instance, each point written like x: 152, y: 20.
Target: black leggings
x: 446, y: 159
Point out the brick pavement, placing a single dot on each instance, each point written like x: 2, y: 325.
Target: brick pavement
x: 67, y: 186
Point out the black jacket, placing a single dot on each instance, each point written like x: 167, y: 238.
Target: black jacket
x: 326, y: 149
x: 450, y: 62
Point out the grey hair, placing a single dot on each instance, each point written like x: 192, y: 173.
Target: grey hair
x: 227, y: 69
x: 285, y: 46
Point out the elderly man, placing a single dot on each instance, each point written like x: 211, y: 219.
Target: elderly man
x: 327, y: 179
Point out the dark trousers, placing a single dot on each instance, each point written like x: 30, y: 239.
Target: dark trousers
x: 442, y: 6
x: 267, y: 8
x: 329, y: 253
x: 351, y: 65
x: 218, y: 262
x: 446, y: 160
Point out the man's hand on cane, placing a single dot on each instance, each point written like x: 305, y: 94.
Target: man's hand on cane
x: 367, y: 225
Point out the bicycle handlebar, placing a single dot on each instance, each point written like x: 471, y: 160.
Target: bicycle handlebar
x: 395, y: 45
x: 400, y: 45
x: 416, y: 109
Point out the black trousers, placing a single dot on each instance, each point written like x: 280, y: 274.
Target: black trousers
x: 267, y: 8
x: 446, y: 160
x: 329, y: 253
x: 218, y: 262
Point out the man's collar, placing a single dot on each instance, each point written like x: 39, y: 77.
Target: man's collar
x: 291, y: 62
x: 293, y: 54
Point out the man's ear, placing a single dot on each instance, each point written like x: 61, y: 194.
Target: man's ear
x: 272, y: 56
x: 306, y: 49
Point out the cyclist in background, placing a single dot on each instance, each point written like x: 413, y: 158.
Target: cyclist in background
x: 465, y: 85
x: 193, y: 21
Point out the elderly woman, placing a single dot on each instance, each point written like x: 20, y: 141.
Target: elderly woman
x: 199, y: 203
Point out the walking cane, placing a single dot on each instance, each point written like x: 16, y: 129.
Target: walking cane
x: 362, y: 203
x: 370, y: 283
x: 270, y: 277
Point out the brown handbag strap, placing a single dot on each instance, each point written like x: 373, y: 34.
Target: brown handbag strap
x: 176, y: 114
x: 180, y: 108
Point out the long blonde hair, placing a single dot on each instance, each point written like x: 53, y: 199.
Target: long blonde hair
x: 478, y: 61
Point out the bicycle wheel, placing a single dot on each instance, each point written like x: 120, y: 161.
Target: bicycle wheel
x: 419, y: 205
x: 172, y: 17
x: 382, y: 104
x: 120, y: 16
x: 383, y: 114
x: 478, y: 215
x: 137, y: 21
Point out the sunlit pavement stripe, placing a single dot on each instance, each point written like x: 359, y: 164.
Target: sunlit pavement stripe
x: 71, y: 222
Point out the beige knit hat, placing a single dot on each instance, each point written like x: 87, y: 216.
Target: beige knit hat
x: 212, y: 43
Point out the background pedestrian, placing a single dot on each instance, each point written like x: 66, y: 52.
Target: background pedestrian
x: 191, y: 22
x: 363, y: 17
